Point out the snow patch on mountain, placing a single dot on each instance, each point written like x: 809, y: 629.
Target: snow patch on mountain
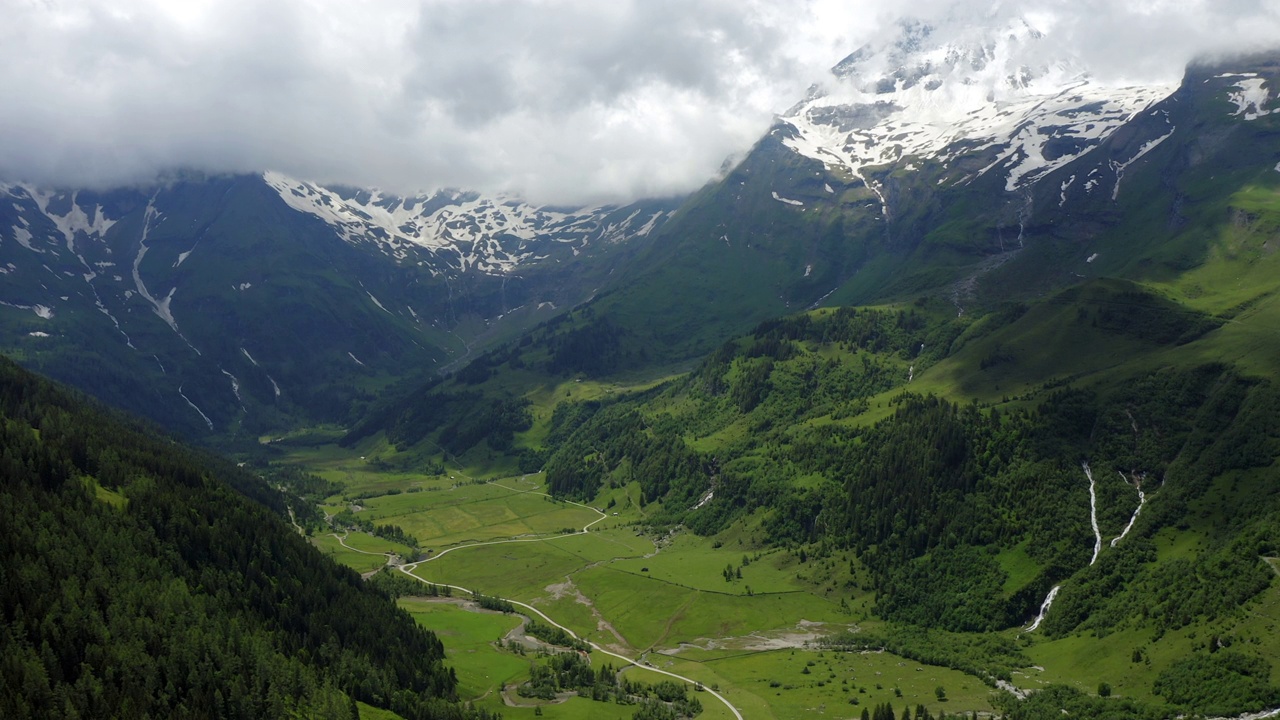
x: 23, y: 236
x: 492, y: 235
x: 981, y: 90
x: 1121, y: 167
x: 160, y: 306
x: 75, y: 220
x: 43, y: 312
x: 204, y: 417
x: 375, y: 302
x: 1249, y: 96
x: 235, y: 386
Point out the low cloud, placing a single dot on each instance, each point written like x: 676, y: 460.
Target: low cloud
x: 565, y: 101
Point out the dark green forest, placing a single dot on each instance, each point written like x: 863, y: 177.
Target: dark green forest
x: 142, y: 579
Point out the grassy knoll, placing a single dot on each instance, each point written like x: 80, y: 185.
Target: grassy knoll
x: 360, y: 562
x: 651, y: 612
x: 371, y: 543
x: 468, y: 637
x: 1083, y: 661
x: 1019, y: 566
x: 775, y: 683
x: 545, y: 396
x: 474, y: 513
x: 514, y: 570
x: 483, y: 669
x: 693, y: 561
x: 369, y: 712
x: 357, y: 472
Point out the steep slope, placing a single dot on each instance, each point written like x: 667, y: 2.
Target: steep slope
x: 244, y: 304
x: 1186, y: 208
x: 467, y: 231
x: 136, y: 582
x: 957, y: 97
x: 1159, y: 198
x: 1085, y: 473
x: 922, y: 161
x: 1069, y: 441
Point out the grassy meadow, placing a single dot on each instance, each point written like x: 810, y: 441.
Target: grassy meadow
x: 659, y: 599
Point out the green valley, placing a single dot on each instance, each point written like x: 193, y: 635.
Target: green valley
x: 956, y: 396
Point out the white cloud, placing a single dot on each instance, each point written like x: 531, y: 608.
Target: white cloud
x: 564, y: 100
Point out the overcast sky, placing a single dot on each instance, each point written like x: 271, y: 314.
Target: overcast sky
x: 567, y: 101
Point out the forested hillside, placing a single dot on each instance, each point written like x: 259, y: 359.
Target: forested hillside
x: 138, y: 580
x: 817, y: 433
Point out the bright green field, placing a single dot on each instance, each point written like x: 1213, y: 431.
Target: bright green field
x: 483, y: 669
x: 474, y: 513
x: 773, y: 684
x: 369, y: 712
x: 357, y: 561
x: 468, y: 638
x: 668, y: 601
x: 373, y: 544
x: 358, y: 474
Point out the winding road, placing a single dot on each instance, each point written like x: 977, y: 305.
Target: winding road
x: 408, y: 569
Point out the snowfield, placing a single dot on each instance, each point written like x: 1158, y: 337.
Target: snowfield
x: 916, y: 98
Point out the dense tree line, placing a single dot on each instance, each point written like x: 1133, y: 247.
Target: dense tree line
x: 618, y: 439
x: 572, y: 672
x: 346, y: 519
x: 397, y: 585
x: 136, y: 582
x: 988, y: 656
x: 458, y: 421
x: 1219, y: 683
x: 553, y: 635
x: 303, y: 491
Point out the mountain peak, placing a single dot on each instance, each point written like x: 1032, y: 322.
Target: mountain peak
x: 938, y: 92
x: 971, y: 54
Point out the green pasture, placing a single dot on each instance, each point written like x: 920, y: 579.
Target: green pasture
x: 357, y: 471
x: 483, y: 669
x: 518, y: 571
x: 693, y: 561
x: 774, y: 684
x: 360, y: 562
x: 1084, y: 661
x: 468, y: 638
x: 369, y: 712
x: 650, y: 612
x: 374, y: 544
x: 1019, y: 566
x: 475, y: 513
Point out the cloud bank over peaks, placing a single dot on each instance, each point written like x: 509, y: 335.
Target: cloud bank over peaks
x: 562, y: 101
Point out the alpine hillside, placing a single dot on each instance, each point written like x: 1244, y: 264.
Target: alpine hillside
x: 923, y: 162
x: 1042, y: 187
x: 226, y: 305
x: 1041, y: 453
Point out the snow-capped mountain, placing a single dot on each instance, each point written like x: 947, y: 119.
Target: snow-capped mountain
x: 204, y: 301
x: 930, y: 96
x: 966, y: 164
x: 467, y: 231
x: 927, y: 161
